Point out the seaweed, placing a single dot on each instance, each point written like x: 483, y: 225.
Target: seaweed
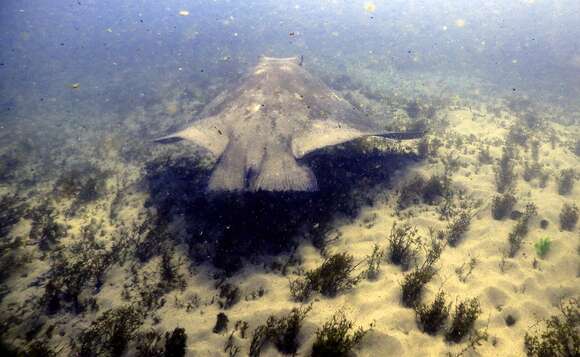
x: 374, y: 263
x: 170, y: 278
x: 520, y: 230
x: 221, y: 323
x: 229, y: 295
x: 419, y: 190
x: 542, y: 246
x: 532, y: 120
x: 566, y: 181
x: 559, y: 336
x: 457, y: 228
x: 175, y: 343
x: 411, y: 192
x: 149, y: 344
x: 413, y: 282
x: 332, y: 277
x: 12, y: 257
x: 259, y: 340
x: 532, y: 171
x: 464, y: 317
x: 504, y: 172
x: 423, y: 148
x: 569, y: 216
x: 435, y: 188
x: 40, y: 348
x: 83, y: 184
x: 230, y: 347
x: 403, y: 245
x: 153, y: 343
x: 501, y: 205
x: 285, y: 330
x: 535, y: 150
x: 334, y: 337
x: 152, y: 234
x: 464, y: 271
x: 110, y: 333
x: 282, y: 332
x: 518, y: 134
x: 82, y: 265
x: 484, y: 156
x: 8, y: 165
x: 45, y: 230
x: 413, y: 109
x: 12, y: 208
x: 431, y: 318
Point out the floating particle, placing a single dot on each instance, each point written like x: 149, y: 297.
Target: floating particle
x: 514, y: 61
x: 460, y: 23
x: 370, y: 7
x: 109, y: 30
x: 183, y: 13
x: 74, y: 85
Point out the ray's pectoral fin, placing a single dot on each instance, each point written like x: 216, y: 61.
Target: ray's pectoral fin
x: 405, y: 135
x: 328, y: 133
x: 206, y: 133
x: 322, y: 134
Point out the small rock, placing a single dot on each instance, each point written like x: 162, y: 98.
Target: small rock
x: 510, y: 320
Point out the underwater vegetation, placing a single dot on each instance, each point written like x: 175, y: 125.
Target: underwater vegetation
x: 12, y: 208
x: 175, y: 343
x: 569, y: 216
x: 221, y: 323
x: 45, y: 231
x: 80, y: 266
x: 8, y: 164
x: 414, y: 281
x: 418, y: 189
x: 520, y: 230
x: 542, y: 246
x: 431, y: 318
x: 282, y: 332
x: 403, y: 245
x: 504, y: 172
x: 374, y: 263
x: 83, y: 183
x: 501, y: 205
x: 566, y: 181
x: 463, y: 319
x: 109, y: 334
x: 558, y: 335
x: 334, y: 338
x: 330, y: 278
x: 457, y: 228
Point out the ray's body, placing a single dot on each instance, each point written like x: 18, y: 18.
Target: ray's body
x: 275, y: 116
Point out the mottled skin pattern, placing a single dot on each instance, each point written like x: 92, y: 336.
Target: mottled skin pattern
x: 278, y: 114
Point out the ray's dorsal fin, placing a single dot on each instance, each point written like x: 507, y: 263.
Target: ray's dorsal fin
x: 207, y: 133
x: 326, y: 133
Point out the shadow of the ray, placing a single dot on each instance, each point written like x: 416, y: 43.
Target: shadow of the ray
x: 227, y: 228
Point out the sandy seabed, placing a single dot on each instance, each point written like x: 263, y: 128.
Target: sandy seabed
x: 522, y: 289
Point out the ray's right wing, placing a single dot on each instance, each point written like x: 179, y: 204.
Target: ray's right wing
x: 208, y: 133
